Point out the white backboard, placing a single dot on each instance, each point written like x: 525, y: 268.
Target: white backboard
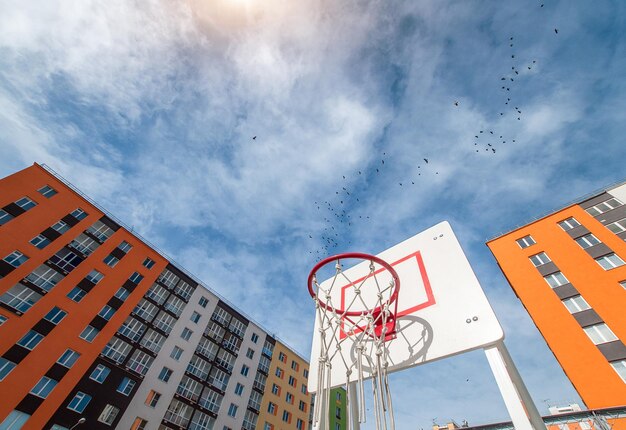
x: 442, y: 309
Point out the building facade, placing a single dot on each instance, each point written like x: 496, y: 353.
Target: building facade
x: 568, y: 270
x: 100, y: 330
x: 287, y: 402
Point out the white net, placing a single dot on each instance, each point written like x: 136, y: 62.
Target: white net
x: 353, y: 329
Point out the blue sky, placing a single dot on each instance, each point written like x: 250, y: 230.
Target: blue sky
x: 150, y: 108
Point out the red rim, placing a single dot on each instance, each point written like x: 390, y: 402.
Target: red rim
x: 362, y: 256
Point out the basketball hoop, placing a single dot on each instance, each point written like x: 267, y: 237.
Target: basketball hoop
x: 368, y: 319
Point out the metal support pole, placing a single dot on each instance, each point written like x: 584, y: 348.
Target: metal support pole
x: 522, y: 410
x: 353, y: 404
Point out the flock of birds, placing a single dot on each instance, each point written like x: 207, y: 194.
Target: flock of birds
x: 336, y: 210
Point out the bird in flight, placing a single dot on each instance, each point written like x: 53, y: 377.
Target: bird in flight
x: 456, y: 103
x: 556, y: 30
x: 253, y: 137
x: 426, y: 160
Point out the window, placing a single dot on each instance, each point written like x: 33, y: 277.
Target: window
x: 139, y: 424
x: 610, y: 261
x: 338, y: 396
x: 271, y: 408
x: 178, y: 413
x: 617, y: 226
x: 16, y: 258
x: 294, y: 365
x: 620, y: 368
x: 238, y: 389
x: 539, y: 259
x: 108, y: 415
x: 275, y: 389
x: 14, y: 421
x: 338, y: 412
x: 5, y: 217
x: 556, y: 279
x: 303, y: 389
x: 195, y: 317
x: 232, y: 410
x: 140, y: 362
x: 153, y: 398
x: 132, y: 329
x: 302, y: 406
x: 158, y: 293
x: 203, y: 301
x: 525, y: 241
x: 126, y: 386
x: 100, y: 373
x: 282, y: 357
x: 268, y: 426
x: 68, y: 358
x: 186, y: 334
x: 289, y: 398
x: 100, y: 231
x: 94, y: 277
x: 237, y: 327
x: 79, y: 402
x: 44, y: 277
x: 40, y: 241
x: 125, y: 246
x: 189, y: 388
x: 603, y: 207
x: 569, y: 223
x: 55, y: 315
x: 136, y: 278
x: 299, y: 424
x: 76, y: 294
x: 106, y: 312
x: 145, y: 310
x: 84, y: 244
x: 587, y: 241
x: 600, y: 333
x: 306, y: 373
x: 164, y: 321
x: 175, y: 305
x: 286, y: 416
x: 89, y: 333
x: 20, y: 298
x: 250, y: 353
x: 211, y: 400
x: 244, y: 370
x: 2, y: 319
x: 79, y: 214
x: 111, y: 261
x: 199, y: 367
x: 122, y: 293
x: 176, y: 353
x: 184, y: 290
x: 60, y: 226
x: 218, y: 378
x: 165, y: 374
x: 47, y: 191
x: 576, y: 304
x: 148, y: 263
x: 279, y: 372
x: 623, y: 284
x: 66, y: 260
x: 26, y: 203
x: 116, y: 349
x: 292, y: 381
x: 254, y: 337
x: 5, y: 367
x: 30, y: 340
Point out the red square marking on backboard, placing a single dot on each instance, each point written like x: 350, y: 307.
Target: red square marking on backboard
x: 430, y: 298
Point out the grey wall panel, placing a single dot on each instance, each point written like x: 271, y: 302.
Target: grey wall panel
x: 598, y: 250
x: 566, y: 291
x: 613, y: 350
x: 547, y: 269
x: 587, y: 318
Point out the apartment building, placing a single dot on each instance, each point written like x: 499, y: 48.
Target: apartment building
x: 287, y: 402
x: 568, y: 270
x: 100, y: 330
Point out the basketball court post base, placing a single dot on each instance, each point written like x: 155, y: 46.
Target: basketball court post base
x: 519, y: 404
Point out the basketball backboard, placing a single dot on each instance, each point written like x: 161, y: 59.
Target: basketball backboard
x: 442, y: 309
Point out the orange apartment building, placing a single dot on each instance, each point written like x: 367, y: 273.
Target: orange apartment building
x: 568, y: 271
x: 99, y: 330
